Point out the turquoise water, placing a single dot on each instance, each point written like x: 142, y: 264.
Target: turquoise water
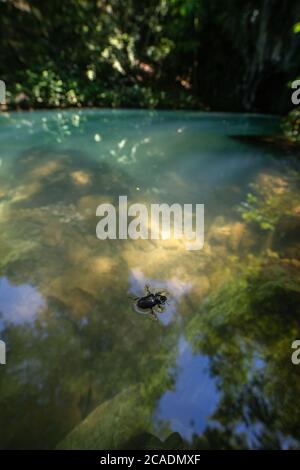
x: 75, y: 344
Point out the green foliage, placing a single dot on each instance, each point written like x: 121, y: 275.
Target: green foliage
x: 155, y: 54
x: 296, y: 28
x: 87, y: 54
x: 291, y: 125
x: 258, y: 309
x: 254, y: 211
x: 270, y: 201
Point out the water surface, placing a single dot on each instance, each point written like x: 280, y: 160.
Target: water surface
x: 73, y: 339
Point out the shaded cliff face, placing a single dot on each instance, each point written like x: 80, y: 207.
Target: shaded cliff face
x: 253, y: 54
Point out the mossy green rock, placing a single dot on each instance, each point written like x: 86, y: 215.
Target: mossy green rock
x: 112, y: 424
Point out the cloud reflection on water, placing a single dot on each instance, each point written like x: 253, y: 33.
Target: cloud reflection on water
x: 18, y: 303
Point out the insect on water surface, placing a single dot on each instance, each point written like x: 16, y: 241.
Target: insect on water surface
x: 153, y: 302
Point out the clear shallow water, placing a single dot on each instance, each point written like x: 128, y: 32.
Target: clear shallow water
x: 73, y: 339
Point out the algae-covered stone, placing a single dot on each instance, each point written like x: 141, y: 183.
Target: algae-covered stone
x: 113, y: 423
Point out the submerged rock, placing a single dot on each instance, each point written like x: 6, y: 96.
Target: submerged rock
x: 112, y: 424
x: 230, y: 235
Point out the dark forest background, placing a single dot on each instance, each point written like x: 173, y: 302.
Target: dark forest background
x: 228, y: 55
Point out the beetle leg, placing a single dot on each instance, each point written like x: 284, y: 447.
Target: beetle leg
x: 153, y: 314
x: 147, y: 289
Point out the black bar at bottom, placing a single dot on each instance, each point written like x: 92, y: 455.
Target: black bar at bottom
x: 135, y: 459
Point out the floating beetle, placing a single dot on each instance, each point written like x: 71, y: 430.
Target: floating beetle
x: 151, y: 301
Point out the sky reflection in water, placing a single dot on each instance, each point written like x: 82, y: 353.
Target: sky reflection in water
x: 194, y: 398
x: 18, y: 303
